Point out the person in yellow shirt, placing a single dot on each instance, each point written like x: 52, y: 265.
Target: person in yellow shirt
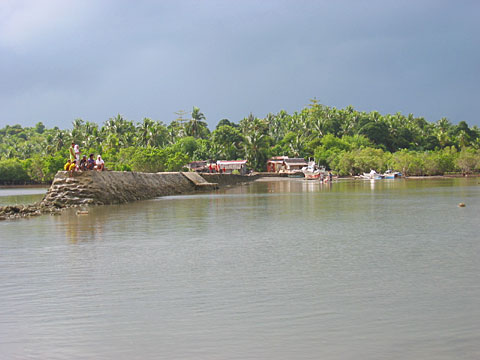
x: 73, y: 166
x: 66, y: 167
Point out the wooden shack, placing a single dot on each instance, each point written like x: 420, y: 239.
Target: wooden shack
x: 228, y: 166
x: 294, y: 164
x: 275, y: 163
x: 285, y: 164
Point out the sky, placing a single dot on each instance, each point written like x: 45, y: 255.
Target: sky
x: 93, y: 59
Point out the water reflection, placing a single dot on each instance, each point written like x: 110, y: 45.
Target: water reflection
x: 202, y: 213
x: 83, y: 228
x: 287, y: 185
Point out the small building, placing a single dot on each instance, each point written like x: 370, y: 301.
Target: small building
x: 294, y: 164
x: 228, y: 166
x: 285, y: 164
x: 275, y: 163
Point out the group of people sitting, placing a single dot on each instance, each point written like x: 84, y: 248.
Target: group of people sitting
x: 83, y: 164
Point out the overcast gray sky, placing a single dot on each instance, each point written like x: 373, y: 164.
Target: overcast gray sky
x: 92, y: 59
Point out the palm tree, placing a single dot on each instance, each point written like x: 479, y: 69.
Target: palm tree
x: 112, y: 141
x: 227, y: 139
x: 58, y: 140
x: 255, y: 149
x: 145, y: 132
x: 442, y: 130
x: 175, y: 130
x: 90, y: 135
x: 120, y: 127
x: 196, y: 125
x: 256, y: 141
x: 463, y: 138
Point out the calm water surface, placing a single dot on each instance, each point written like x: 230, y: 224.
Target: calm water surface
x: 19, y: 195
x: 284, y: 269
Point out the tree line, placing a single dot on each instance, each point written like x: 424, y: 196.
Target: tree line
x: 346, y: 141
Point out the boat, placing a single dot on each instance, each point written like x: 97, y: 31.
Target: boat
x: 313, y: 175
x: 312, y: 172
x: 296, y: 174
x: 389, y: 174
x: 372, y: 175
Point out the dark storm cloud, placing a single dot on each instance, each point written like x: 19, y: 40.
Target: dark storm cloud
x: 147, y: 58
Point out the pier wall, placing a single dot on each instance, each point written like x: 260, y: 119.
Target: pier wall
x: 115, y: 187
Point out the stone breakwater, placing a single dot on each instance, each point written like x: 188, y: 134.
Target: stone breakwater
x: 23, y: 211
x: 111, y: 187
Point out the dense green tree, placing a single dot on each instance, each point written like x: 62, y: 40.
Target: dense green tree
x: 467, y: 160
x: 196, y: 126
x: 345, y: 140
x: 256, y: 141
x: 12, y: 172
x: 39, y: 127
x: 229, y: 140
x: 226, y: 122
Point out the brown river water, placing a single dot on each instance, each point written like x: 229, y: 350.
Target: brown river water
x: 276, y: 269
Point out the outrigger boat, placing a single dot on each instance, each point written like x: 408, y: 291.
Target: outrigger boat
x: 389, y: 174
x: 372, y: 175
x: 312, y: 172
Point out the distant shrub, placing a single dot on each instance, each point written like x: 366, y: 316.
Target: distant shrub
x: 13, y: 172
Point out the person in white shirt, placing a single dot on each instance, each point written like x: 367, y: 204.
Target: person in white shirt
x: 76, y: 152
x: 99, y: 164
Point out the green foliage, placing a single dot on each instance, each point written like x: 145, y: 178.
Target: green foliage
x: 226, y: 122
x: 468, y: 160
x: 331, y: 147
x: 345, y: 140
x: 196, y: 126
x: 13, y: 172
x: 187, y: 145
x: 405, y: 161
x: 51, y: 164
x: 359, y: 161
x: 228, y: 139
x: 148, y: 160
x: 203, y: 150
x: 138, y: 159
x: 177, y: 162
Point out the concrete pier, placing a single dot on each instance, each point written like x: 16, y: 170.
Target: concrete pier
x: 199, y: 182
x: 116, y: 187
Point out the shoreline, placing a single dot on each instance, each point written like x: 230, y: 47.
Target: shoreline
x: 67, y: 192
x: 275, y: 175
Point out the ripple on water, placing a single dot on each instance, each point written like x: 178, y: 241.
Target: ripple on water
x: 274, y: 269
